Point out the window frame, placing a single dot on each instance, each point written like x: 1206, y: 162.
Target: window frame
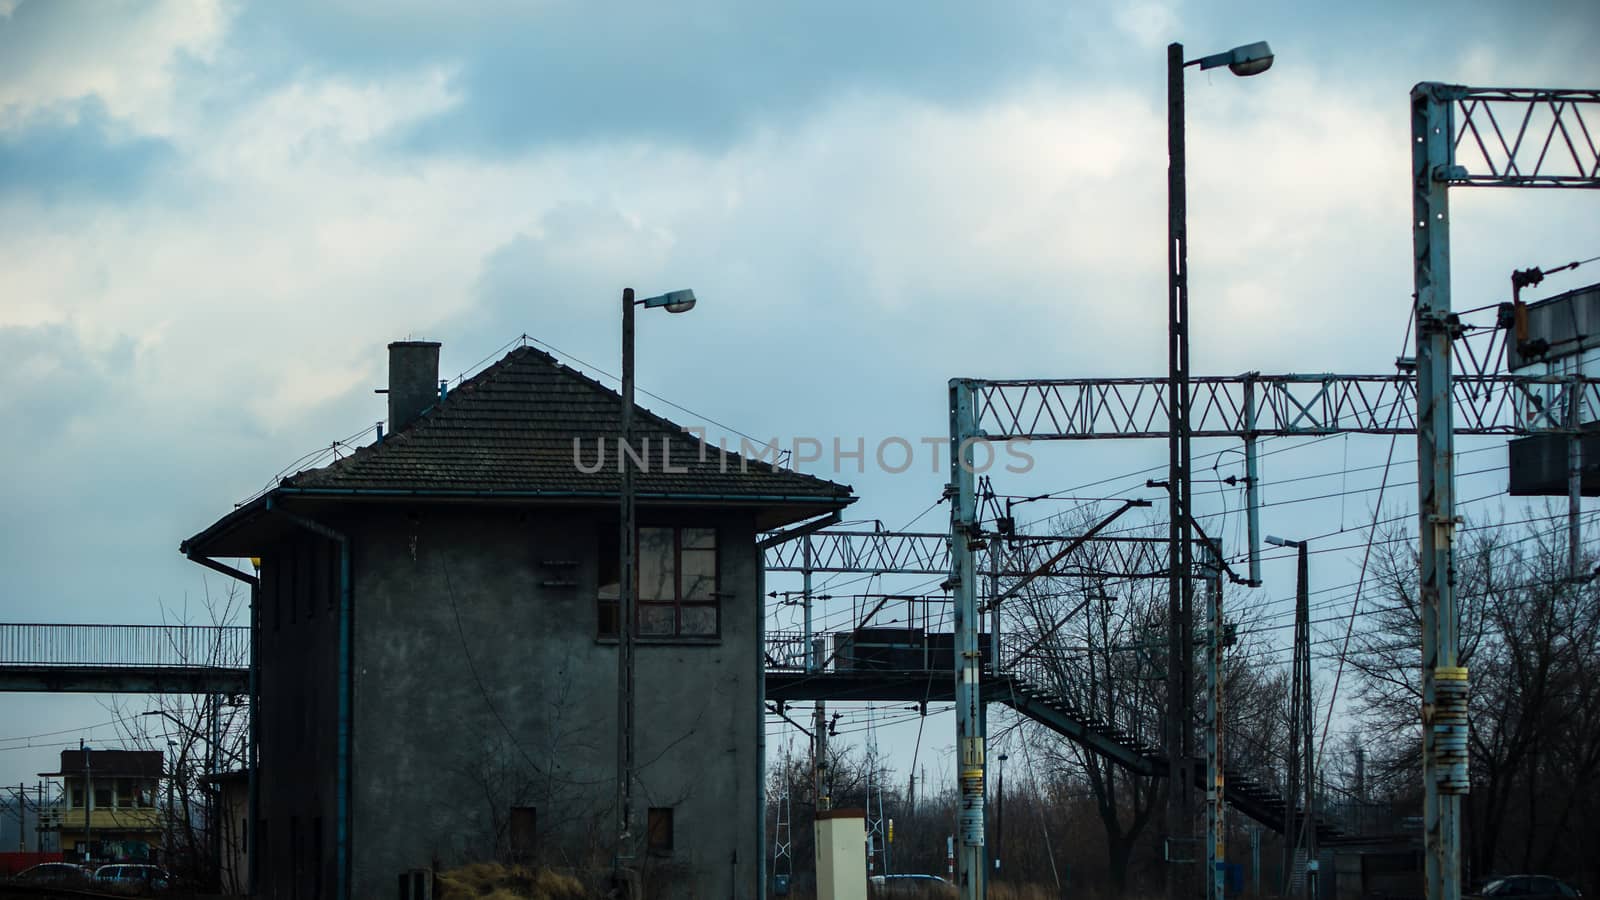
x: 607, y: 608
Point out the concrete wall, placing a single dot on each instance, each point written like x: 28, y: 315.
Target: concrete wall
x: 481, y: 685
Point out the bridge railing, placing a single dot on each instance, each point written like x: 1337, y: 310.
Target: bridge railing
x: 164, y: 646
x: 787, y: 650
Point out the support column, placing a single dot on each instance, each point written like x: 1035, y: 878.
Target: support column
x: 1444, y: 761
x: 805, y: 597
x: 963, y: 584
x: 1252, y: 474
x: 1575, y: 473
x: 819, y: 739
x: 1216, y: 855
x: 1180, y: 600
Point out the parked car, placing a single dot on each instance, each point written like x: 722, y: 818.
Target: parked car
x: 1526, y: 887
x: 137, y: 878
x: 58, y: 873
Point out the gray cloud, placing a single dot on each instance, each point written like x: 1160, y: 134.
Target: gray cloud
x: 78, y: 151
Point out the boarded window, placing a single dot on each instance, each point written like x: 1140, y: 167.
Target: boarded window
x: 659, y: 830
x: 524, y: 831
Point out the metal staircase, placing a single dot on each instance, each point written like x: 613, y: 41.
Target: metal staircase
x: 1023, y: 689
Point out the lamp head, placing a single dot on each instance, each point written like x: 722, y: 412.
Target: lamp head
x: 674, y: 301
x: 1244, y: 60
x: 1276, y: 541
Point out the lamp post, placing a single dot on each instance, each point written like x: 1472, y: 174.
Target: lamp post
x: 88, y: 803
x: 1245, y: 60
x: 1000, y: 816
x: 674, y: 302
x: 1301, y: 767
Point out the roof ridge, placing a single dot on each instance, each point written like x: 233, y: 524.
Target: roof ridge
x: 512, y: 426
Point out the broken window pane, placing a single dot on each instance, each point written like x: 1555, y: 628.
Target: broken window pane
x: 657, y: 619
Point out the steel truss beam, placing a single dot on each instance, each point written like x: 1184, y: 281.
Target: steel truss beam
x: 921, y: 553
x: 1251, y: 405
x: 1522, y: 137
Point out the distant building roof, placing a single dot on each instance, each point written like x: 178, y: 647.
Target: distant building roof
x: 135, y: 763
x: 509, y: 433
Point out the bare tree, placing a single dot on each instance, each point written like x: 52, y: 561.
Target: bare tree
x: 1530, y: 636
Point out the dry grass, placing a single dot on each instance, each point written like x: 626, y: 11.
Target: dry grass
x: 1005, y: 890
x: 494, y: 881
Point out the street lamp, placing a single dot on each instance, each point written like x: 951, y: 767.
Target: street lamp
x: 1245, y: 60
x: 1300, y: 721
x: 672, y: 302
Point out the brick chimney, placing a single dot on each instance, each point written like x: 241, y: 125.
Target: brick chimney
x: 413, y: 380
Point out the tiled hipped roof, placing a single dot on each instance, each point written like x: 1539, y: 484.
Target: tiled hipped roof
x: 106, y: 763
x: 511, y: 428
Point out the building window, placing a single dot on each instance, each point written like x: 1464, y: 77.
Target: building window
x: 524, y: 829
x: 102, y: 796
x: 658, y: 830
x: 677, y: 583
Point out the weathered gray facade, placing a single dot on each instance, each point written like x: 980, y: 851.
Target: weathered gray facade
x: 479, y: 654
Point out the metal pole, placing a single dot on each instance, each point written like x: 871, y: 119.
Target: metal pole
x: 964, y: 535
x: 805, y: 597
x: 819, y: 738
x: 1444, y: 684
x: 625, y: 614
x: 1000, y: 817
x: 1179, y: 813
x: 1574, y: 473
x: 1252, y: 474
x: 994, y: 613
x: 1302, y: 645
x: 1293, y: 813
x: 1216, y: 855
x: 88, y: 801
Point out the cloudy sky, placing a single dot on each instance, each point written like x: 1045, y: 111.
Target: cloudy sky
x: 215, y: 216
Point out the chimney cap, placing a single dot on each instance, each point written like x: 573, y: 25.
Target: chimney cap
x: 395, y: 344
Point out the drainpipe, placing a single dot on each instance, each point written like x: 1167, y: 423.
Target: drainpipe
x: 342, y: 792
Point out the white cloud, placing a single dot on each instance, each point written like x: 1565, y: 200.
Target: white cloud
x: 125, y: 56
x: 1151, y: 24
